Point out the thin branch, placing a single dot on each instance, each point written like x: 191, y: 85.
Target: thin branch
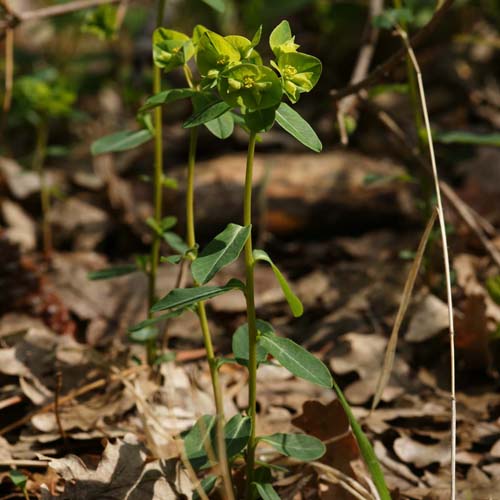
x: 60, y: 9
x: 381, y: 71
x: 446, y: 259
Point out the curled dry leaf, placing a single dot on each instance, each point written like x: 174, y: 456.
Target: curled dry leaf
x: 123, y: 472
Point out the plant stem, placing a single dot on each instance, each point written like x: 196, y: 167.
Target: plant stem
x: 158, y: 187
x: 202, y: 315
x: 38, y: 161
x: 251, y: 315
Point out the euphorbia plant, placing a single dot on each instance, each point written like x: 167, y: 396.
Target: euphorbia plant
x: 236, y: 84
x: 45, y: 97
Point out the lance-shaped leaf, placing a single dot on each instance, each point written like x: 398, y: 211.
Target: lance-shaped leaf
x: 236, y: 434
x: 208, y: 113
x: 214, y: 53
x: 365, y: 446
x: 300, y: 73
x: 266, y: 491
x: 240, y: 342
x: 293, y: 301
x: 250, y: 87
x: 220, y: 252
x: 299, y: 446
x: 166, y: 97
x: 144, y: 335
x: 120, y: 141
x: 218, y: 5
x: 297, y: 127
x: 198, y: 441
x: 296, y: 359
x: 185, y: 297
x: 152, y: 321
x: 222, y: 127
x: 171, y: 49
x: 207, y: 485
x: 281, y: 39
x: 112, y: 272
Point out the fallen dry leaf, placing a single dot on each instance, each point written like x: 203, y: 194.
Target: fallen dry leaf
x: 123, y: 472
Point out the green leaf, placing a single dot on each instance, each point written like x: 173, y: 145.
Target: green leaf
x: 166, y: 357
x: 366, y: 448
x: 218, y: 5
x: 222, y: 127
x: 166, y: 97
x: 112, y: 272
x: 152, y: 321
x: 210, y: 112
x: 297, y: 127
x: 171, y: 49
x: 207, y: 485
x: 224, y: 249
x: 144, y: 334
x: 296, y: 359
x: 171, y: 259
x: 299, y: 446
x: 120, y: 141
x: 293, y: 301
x: 281, y: 39
x: 198, y: 439
x: 175, y: 242
x: 266, y: 491
x: 240, y: 342
x: 493, y: 287
x: 392, y: 17
x: 458, y: 137
x: 184, y: 297
x: 101, y: 22
x: 236, y: 434
x: 250, y: 87
x: 18, y: 478
x: 261, y: 120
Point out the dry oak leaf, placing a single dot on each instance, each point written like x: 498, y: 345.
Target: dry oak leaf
x: 420, y: 454
x: 123, y: 472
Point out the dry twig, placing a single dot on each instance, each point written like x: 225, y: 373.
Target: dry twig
x: 442, y: 225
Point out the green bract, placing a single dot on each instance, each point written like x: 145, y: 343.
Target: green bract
x: 214, y: 54
x: 250, y: 87
x: 171, y: 49
x: 300, y: 73
x: 48, y: 97
x: 281, y: 39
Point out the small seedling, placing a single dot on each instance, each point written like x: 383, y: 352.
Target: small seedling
x: 44, y: 97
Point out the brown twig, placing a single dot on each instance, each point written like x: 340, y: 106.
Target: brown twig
x: 381, y: 71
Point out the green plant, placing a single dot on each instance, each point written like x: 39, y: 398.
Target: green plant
x: 44, y: 96
x: 235, y: 86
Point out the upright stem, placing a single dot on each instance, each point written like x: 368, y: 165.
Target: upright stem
x: 251, y: 315
x: 202, y: 315
x: 158, y: 186
x: 38, y: 161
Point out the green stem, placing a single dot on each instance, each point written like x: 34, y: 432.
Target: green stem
x: 202, y: 315
x: 158, y: 187
x: 251, y: 315
x: 38, y: 161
